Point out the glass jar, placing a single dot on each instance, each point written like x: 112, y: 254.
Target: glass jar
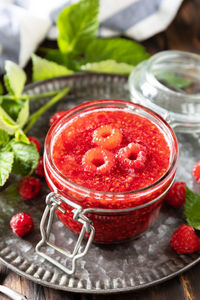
x: 169, y: 84
x: 115, y: 216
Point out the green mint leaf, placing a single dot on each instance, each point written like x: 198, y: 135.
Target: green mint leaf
x: 12, y: 108
x: 192, y: 208
x: 6, y: 162
x: 7, y: 85
x: 173, y: 80
x: 108, y: 66
x: 118, y: 49
x: 26, y: 157
x: 4, y: 137
x: 1, y: 89
x: 21, y: 137
x: 55, y: 55
x: 15, y: 78
x: 23, y: 114
x: 7, y: 123
x: 69, y: 60
x: 78, y: 26
x: 44, y: 69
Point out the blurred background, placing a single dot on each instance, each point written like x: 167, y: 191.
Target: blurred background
x: 158, y: 24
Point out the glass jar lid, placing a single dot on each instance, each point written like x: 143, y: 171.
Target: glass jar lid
x: 169, y: 84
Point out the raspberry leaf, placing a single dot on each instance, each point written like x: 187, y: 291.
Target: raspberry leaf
x: 6, y: 162
x: 4, y: 137
x: 192, y: 208
x: 7, y: 123
x: 23, y: 114
x: 21, y: 137
x: 12, y: 108
x: 15, y: 79
x: 43, y: 69
x: 118, y: 49
x: 1, y: 89
x: 26, y: 157
x: 108, y: 66
x: 78, y: 26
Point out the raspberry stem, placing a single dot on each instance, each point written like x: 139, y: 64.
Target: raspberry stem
x: 33, y: 118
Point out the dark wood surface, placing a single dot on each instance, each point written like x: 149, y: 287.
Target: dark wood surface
x: 182, y: 34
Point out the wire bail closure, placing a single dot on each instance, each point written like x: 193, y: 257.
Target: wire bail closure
x: 54, y: 202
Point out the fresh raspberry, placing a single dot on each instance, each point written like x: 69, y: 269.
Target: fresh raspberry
x: 36, y: 142
x: 21, y: 224
x: 107, y: 137
x: 29, y: 187
x: 184, y: 240
x: 176, y: 195
x: 57, y: 116
x: 133, y: 156
x: 98, y: 160
x: 196, y: 171
x: 40, y: 168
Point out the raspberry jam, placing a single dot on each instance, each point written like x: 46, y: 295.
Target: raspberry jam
x: 132, y: 155
x: 111, y: 155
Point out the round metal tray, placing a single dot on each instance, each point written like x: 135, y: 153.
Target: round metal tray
x: 125, y: 267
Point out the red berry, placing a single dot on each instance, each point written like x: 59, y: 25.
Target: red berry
x: 40, y: 168
x: 184, y: 240
x: 107, y: 137
x: 29, y: 187
x: 98, y: 160
x: 36, y: 142
x: 21, y: 224
x: 196, y: 171
x: 57, y: 116
x: 176, y: 195
x: 133, y: 156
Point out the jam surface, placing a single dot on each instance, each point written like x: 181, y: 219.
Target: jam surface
x: 111, y: 150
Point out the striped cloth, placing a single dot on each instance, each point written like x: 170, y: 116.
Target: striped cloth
x: 25, y: 23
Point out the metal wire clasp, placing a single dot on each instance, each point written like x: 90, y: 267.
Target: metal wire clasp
x: 54, y: 202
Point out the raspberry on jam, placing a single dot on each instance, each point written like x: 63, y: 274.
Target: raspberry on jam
x: 98, y: 160
x: 107, y: 136
x: 133, y: 156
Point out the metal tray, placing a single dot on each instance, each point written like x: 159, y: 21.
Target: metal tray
x: 133, y: 265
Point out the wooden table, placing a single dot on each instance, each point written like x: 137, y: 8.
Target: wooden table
x: 182, y: 34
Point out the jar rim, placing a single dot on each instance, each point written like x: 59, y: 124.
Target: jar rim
x: 103, y: 103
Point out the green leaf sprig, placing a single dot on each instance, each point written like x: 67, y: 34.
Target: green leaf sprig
x: 192, y: 208
x: 17, y: 154
x: 79, y: 49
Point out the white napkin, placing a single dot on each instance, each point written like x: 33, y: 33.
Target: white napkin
x: 25, y: 23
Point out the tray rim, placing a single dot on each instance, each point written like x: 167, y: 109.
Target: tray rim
x: 95, y: 291
x: 80, y: 290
